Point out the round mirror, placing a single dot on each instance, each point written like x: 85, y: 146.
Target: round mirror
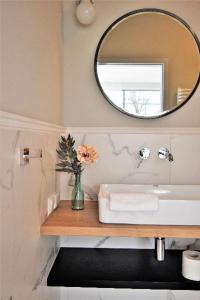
x: 147, y: 63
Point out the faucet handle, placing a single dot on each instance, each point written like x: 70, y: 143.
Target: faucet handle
x: 164, y: 153
x: 143, y: 154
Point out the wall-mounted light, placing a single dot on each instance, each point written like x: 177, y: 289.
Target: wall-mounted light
x: 85, y: 11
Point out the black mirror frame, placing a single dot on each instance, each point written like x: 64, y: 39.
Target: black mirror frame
x: 138, y: 11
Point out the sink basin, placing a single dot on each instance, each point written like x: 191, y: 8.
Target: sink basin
x: 177, y: 205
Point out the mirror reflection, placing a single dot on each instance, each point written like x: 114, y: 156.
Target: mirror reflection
x: 147, y: 64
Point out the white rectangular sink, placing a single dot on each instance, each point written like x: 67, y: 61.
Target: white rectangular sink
x: 177, y: 205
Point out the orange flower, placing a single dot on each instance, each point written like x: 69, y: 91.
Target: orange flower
x: 87, y: 154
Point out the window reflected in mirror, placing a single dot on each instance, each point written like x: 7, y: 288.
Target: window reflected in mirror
x: 136, y: 88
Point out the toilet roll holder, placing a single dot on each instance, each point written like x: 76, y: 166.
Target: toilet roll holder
x: 25, y: 155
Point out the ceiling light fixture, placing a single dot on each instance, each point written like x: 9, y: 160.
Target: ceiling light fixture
x: 85, y: 12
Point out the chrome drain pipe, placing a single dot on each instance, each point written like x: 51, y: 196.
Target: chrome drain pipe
x: 160, y: 248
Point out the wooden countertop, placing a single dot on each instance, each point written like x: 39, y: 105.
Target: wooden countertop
x: 64, y: 221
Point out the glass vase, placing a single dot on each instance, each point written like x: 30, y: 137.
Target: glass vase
x: 77, y: 194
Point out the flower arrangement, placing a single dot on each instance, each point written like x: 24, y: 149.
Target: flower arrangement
x: 71, y: 160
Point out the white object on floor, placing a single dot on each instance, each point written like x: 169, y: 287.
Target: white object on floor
x: 191, y: 265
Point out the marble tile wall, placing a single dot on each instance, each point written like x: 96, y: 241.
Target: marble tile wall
x: 119, y: 160
x: 127, y: 294
x: 118, y: 164
x: 25, y: 257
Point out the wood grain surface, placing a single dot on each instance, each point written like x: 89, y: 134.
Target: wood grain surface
x: 64, y: 221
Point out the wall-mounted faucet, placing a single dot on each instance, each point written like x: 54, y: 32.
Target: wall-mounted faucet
x: 143, y: 154
x: 164, y: 153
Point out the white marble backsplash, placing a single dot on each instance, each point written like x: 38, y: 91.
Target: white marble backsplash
x: 25, y: 256
x: 119, y: 159
x: 127, y: 243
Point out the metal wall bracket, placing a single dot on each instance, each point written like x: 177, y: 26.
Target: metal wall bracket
x: 25, y: 155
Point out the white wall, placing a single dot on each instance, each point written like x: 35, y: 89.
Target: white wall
x: 25, y: 256
x: 31, y: 85
x: 118, y: 148
x: 84, y: 104
x: 31, y: 66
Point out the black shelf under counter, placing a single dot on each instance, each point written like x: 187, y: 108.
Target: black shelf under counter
x: 119, y: 268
